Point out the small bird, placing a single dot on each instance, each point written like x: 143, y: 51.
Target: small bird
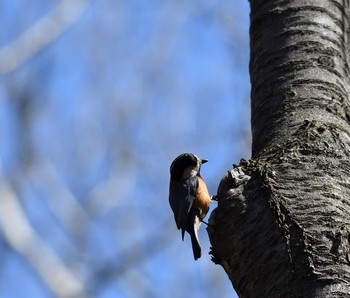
x: 188, y: 197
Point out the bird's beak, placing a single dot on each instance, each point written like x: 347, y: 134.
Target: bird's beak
x: 204, y: 161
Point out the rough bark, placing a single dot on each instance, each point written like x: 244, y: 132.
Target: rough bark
x: 282, y: 225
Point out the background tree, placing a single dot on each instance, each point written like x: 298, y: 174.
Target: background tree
x: 286, y: 212
x: 96, y: 100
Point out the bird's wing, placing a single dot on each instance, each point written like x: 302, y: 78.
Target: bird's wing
x: 181, y: 200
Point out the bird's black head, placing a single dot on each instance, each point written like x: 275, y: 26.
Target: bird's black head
x: 186, y: 165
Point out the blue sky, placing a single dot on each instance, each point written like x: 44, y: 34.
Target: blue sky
x: 91, y: 123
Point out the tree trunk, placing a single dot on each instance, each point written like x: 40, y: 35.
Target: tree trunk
x: 282, y: 225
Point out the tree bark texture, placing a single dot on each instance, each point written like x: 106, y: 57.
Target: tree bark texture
x: 282, y: 225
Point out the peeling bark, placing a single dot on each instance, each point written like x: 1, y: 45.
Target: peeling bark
x: 282, y: 225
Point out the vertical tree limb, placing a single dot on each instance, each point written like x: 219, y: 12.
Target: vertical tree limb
x: 281, y: 228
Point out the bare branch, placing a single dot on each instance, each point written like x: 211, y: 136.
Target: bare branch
x: 22, y: 237
x: 43, y: 32
x: 63, y: 204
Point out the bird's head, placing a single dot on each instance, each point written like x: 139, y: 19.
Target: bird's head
x: 186, y: 165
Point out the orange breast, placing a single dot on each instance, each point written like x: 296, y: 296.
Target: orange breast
x: 202, y: 201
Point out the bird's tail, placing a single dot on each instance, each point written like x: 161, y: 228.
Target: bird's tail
x: 197, y: 251
x: 193, y: 224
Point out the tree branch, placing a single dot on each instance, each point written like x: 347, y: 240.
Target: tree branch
x: 22, y: 237
x: 42, y: 33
